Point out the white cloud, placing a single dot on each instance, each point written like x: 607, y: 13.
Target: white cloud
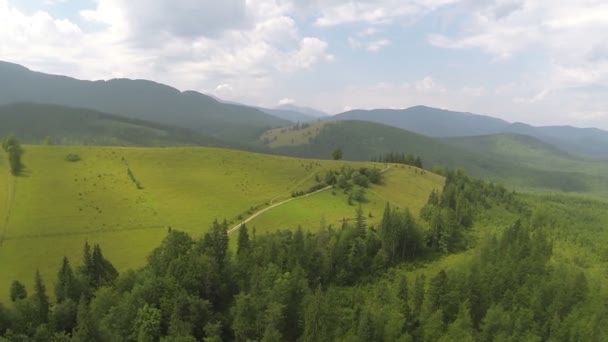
x: 369, y: 45
x: 428, y: 84
x: 286, y: 101
x: 375, y: 12
x: 224, y: 88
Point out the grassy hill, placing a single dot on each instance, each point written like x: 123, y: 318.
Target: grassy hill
x: 138, y: 99
x: 441, y: 123
x: 57, y: 205
x: 36, y: 123
x: 521, y: 162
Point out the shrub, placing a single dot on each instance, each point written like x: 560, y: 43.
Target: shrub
x: 72, y: 157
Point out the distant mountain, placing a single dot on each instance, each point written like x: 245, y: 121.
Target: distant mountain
x: 443, y: 123
x: 304, y: 110
x: 290, y: 115
x: 139, y: 99
x: 523, y: 162
x: 36, y: 123
x: 429, y: 121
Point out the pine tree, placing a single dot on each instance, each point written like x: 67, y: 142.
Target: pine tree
x: 66, y: 287
x: 438, y: 290
x: 419, y: 294
x: 18, y: 291
x: 243, y: 241
x: 85, y: 328
x: 404, y: 295
x: 41, y: 299
x: 360, y: 220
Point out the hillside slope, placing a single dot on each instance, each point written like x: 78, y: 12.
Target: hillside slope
x: 360, y: 140
x: 126, y: 198
x: 41, y: 123
x: 435, y: 122
x: 139, y: 99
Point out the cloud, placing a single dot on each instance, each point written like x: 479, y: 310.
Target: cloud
x: 224, y: 88
x: 375, y: 12
x: 181, y: 18
x: 286, y: 101
x: 373, y: 45
x: 428, y: 84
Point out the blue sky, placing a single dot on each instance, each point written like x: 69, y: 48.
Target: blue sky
x: 536, y: 61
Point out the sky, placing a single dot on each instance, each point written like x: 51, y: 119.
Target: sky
x: 543, y: 62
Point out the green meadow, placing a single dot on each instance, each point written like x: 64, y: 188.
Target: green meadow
x: 126, y: 199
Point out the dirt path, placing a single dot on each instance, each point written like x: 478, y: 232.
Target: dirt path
x: 250, y: 218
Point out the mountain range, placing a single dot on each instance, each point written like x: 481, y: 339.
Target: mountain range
x: 441, y: 123
x: 40, y: 107
x: 137, y: 99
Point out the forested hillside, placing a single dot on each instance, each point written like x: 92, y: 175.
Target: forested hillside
x: 479, y: 265
x: 51, y: 124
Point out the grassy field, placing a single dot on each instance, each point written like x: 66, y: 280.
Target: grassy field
x: 58, y: 205
x: 403, y: 186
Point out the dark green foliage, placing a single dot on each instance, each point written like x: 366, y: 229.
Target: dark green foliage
x: 67, y: 286
x: 96, y: 270
x: 400, y: 158
x: 401, y: 238
x: 85, y: 330
x: 40, y: 300
x: 337, y: 154
x: 5, y: 320
x: 72, y: 158
x: 13, y: 149
x: 18, y: 291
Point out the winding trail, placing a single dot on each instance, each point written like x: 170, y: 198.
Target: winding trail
x: 250, y: 218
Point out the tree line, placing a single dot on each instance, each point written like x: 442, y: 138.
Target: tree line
x: 399, y: 158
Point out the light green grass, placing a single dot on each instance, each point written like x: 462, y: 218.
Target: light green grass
x: 59, y: 204
x: 403, y: 186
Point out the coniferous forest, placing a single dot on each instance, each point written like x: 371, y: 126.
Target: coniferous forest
x: 353, y: 282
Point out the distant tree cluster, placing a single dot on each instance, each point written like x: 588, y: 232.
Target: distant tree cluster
x: 13, y: 148
x: 353, y: 181
x: 400, y: 158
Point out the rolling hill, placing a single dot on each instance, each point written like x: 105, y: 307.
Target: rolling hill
x: 522, y: 164
x: 435, y: 122
x: 138, y: 99
x: 41, y: 123
x: 126, y: 198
